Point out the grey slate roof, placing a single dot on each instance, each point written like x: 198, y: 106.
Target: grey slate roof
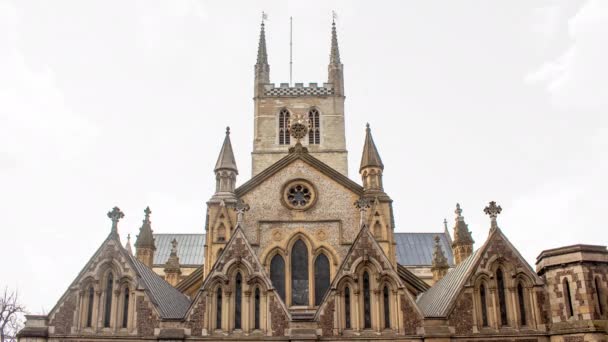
x: 437, y: 300
x: 171, y: 303
x: 416, y: 249
x: 190, y: 248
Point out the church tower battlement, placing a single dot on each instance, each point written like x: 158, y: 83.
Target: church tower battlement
x: 322, y: 105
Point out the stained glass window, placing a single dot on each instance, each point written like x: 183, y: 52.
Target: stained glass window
x: 347, y: 307
x: 238, y: 295
x: 299, y: 274
x: 502, y: 302
x: 367, y: 319
x: 321, y: 277
x: 387, y: 311
x: 256, y: 318
x: 484, y: 305
x: 522, y: 304
x: 125, y: 308
x: 277, y: 274
x: 218, y: 309
x: 108, y: 304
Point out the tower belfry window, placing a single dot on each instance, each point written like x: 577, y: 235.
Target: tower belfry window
x: 284, y: 138
x: 314, y: 135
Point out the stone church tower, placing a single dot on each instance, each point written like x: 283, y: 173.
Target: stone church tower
x: 322, y: 105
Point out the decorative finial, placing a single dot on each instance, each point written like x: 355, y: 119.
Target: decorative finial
x: 445, y: 224
x: 147, y: 211
x: 362, y: 204
x: 264, y: 17
x: 128, y: 245
x: 458, y: 213
x: 240, y: 207
x: 115, y: 215
x: 493, y: 210
x: 227, y: 130
x: 367, y: 126
x: 436, y: 238
x: 174, y: 247
x: 334, y: 16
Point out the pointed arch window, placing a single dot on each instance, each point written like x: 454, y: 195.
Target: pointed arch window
x: 347, y: 308
x: 90, y: 307
x: 218, y: 309
x: 125, y: 308
x: 502, y: 302
x: 299, y: 274
x: 484, y: 305
x: 314, y: 135
x: 277, y: 275
x: 256, y: 308
x: 321, y: 277
x: 522, y: 304
x: 284, y: 138
x: 367, y: 318
x: 108, y: 303
x: 598, y: 293
x: 221, y: 232
x: 387, y: 311
x: 568, y: 298
x: 238, y: 295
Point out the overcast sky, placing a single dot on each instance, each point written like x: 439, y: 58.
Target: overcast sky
x: 125, y: 103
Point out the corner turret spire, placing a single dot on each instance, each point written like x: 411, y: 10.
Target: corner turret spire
x: 440, y: 262
x: 262, y: 69
x: 128, y: 245
x: 462, y: 246
x: 262, y: 53
x: 225, y: 171
x: 144, y: 244
x: 371, y: 165
x: 334, y: 57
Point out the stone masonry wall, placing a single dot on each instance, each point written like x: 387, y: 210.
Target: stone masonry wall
x: 64, y: 317
x: 461, y: 317
x: 147, y: 320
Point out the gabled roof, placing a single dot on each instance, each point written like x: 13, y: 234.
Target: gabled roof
x: 308, y: 159
x: 190, y: 249
x: 439, y: 299
x: 416, y: 249
x: 417, y: 285
x: 171, y: 303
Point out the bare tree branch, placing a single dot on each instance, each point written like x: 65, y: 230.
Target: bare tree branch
x: 11, y: 315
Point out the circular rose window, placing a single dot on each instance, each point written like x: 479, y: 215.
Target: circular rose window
x: 299, y: 195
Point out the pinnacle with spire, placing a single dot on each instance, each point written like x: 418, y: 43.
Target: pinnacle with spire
x: 334, y: 57
x: 145, y: 239
x: 128, y: 245
x: 462, y: 245
x: 262, y: 53
x: 440, y: 264
x: 226, y: 161
x: 371, y: 157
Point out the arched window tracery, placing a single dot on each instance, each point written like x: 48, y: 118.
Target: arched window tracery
x: 347, y: 324
x: 277, y: 274
x: 484, y: 305
x: 386, y: 307
x: 108, y: 301
x: 284, y: 138
x: 90, y: 303
x: 314, y: 134
x: 125, y: 308
x: 299, y: 274
x: 256, y: 308
x: 522, y: 304
x: 238, y: 295
x: 218, y: 309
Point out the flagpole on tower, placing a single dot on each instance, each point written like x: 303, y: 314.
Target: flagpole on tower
x: 290, y: 50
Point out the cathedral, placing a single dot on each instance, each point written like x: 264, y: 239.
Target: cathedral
x: 300, y: 251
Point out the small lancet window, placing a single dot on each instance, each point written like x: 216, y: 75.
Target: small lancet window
x: 299, y: 274
x: 568, y: 298
x: 484, y: 305
x: 90, y: 307
x: 125, y: 308
x: 347, y: 308
x: 256, y: 318
x: 314, y: 135
x: 284, y: 138
x: 238, y: 295
x: 522, y: 304
x: 218, y: 309
x: 502, y: 302
x: 321, y: 277
x: 277, y: 274
x: 598, y: 293
x: 108, y: 303
x: 387, y: 311
x: 367, y: 318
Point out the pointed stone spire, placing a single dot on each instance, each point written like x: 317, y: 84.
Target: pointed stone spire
x: 262, y: 69
x: 462, y: 246
x: 493, y: 210
x: 172, y: 267
x: 440, y: 262
x: 144, y: 244
x: 226, y: 161
x: 128, y: 245
x: 225, y: 172
x: 371, y: 165
x: 335, y: 69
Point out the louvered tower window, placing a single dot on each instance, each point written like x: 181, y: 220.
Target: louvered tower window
x: 314, y: 135
x: 284, y: 138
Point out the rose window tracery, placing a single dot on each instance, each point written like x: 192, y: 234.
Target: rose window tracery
x: 299, y: 195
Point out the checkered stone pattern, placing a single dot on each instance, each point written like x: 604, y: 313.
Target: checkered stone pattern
x: 300, y: 91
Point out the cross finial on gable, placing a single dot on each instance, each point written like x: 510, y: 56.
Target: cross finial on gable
x: 115, y: 215
x: 493, y: 210
x: 240, y: 207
